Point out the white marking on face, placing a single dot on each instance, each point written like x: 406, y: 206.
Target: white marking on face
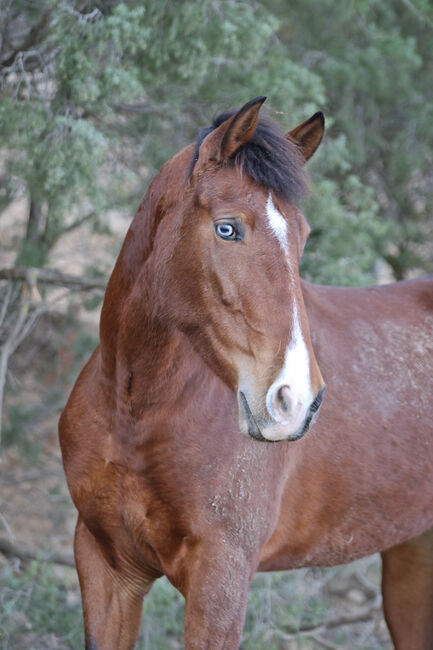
x: 295, y: 372
x: 277, y: 223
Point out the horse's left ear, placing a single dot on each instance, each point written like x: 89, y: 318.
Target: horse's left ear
x: 241, y: 127
x: 308, y: 135
x: 228, y: 137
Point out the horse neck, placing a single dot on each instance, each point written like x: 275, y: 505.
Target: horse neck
x: 137, y: 351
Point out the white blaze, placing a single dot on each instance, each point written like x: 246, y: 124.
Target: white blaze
x: 295, y: 372
x: 278, y: 224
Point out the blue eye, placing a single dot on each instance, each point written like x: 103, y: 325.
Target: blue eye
x: 226, y: 231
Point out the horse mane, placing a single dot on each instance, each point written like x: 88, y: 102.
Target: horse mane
x: 269, y: 158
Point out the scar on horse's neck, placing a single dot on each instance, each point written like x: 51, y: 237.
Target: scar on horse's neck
x: 129, y: 386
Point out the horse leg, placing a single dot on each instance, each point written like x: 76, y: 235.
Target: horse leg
x: 407, y: 587
x: 112, y: 604
x: 216, y: 599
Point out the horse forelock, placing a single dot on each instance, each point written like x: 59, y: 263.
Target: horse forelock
x: 269, y: 158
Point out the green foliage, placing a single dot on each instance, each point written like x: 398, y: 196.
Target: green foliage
x: 34, y: 606
x: 276, y: 603
x: 348, y: 238
x: 83, y: 344
x: 376, y: 62
x: 162, y: 622
x: 106, y: 93
x: 40, y: 609
x: 16, y: 430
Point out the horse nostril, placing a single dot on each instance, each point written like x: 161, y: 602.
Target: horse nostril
x: 284, y: 401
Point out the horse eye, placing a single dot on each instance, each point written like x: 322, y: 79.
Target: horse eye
x: 226, y: 231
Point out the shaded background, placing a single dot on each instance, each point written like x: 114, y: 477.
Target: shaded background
x: 95, y: 96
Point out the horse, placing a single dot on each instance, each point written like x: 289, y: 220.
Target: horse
x: 184, y: 439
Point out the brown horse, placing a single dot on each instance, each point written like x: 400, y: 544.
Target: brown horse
x: 208, y: 332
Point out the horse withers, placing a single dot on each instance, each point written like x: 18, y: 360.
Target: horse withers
x: 207, y: 333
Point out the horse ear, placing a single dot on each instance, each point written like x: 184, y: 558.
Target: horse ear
x: 241, y: 127
x: 309, y: 134
x: 234, y: 132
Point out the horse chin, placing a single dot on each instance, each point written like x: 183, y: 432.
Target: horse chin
x: 276, y: 433
x: 270, y: 433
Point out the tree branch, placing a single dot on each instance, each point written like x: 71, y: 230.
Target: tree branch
x: 10, y: 549
x: 32, y: 38
x: 11, y: 478
x: 69, y: 228
x: 30, y: 306
x: 10, y: 344
x: 53, y: 277
x: 5, y: 22
x: 5, y: 304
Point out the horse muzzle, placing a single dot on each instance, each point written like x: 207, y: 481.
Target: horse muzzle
x: 289, y: 420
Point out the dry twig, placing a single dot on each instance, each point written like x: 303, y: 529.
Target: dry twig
x: 30, y: 306
x: 11, y: 478
x: 54, y: 277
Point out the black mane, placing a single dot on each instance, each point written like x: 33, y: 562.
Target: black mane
x: 269, y: 158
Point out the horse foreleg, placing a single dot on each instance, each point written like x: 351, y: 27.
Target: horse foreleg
x: 112, y: 604
x: 407, y: 587
x: 216, y: 598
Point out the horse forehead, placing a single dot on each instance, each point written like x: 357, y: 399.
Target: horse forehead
x: 229, y: 191
x: 229, y: 185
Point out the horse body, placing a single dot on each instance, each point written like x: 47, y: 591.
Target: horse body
x: 162, y: 479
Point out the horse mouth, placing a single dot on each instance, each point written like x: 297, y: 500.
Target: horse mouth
x: 254, y: 429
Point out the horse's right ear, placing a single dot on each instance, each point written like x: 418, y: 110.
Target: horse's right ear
x: 308, y: 135
x: 228, y: 137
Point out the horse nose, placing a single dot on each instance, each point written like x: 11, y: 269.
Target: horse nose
x: 284, y: 406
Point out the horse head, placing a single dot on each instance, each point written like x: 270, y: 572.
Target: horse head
x: 226, y: 248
